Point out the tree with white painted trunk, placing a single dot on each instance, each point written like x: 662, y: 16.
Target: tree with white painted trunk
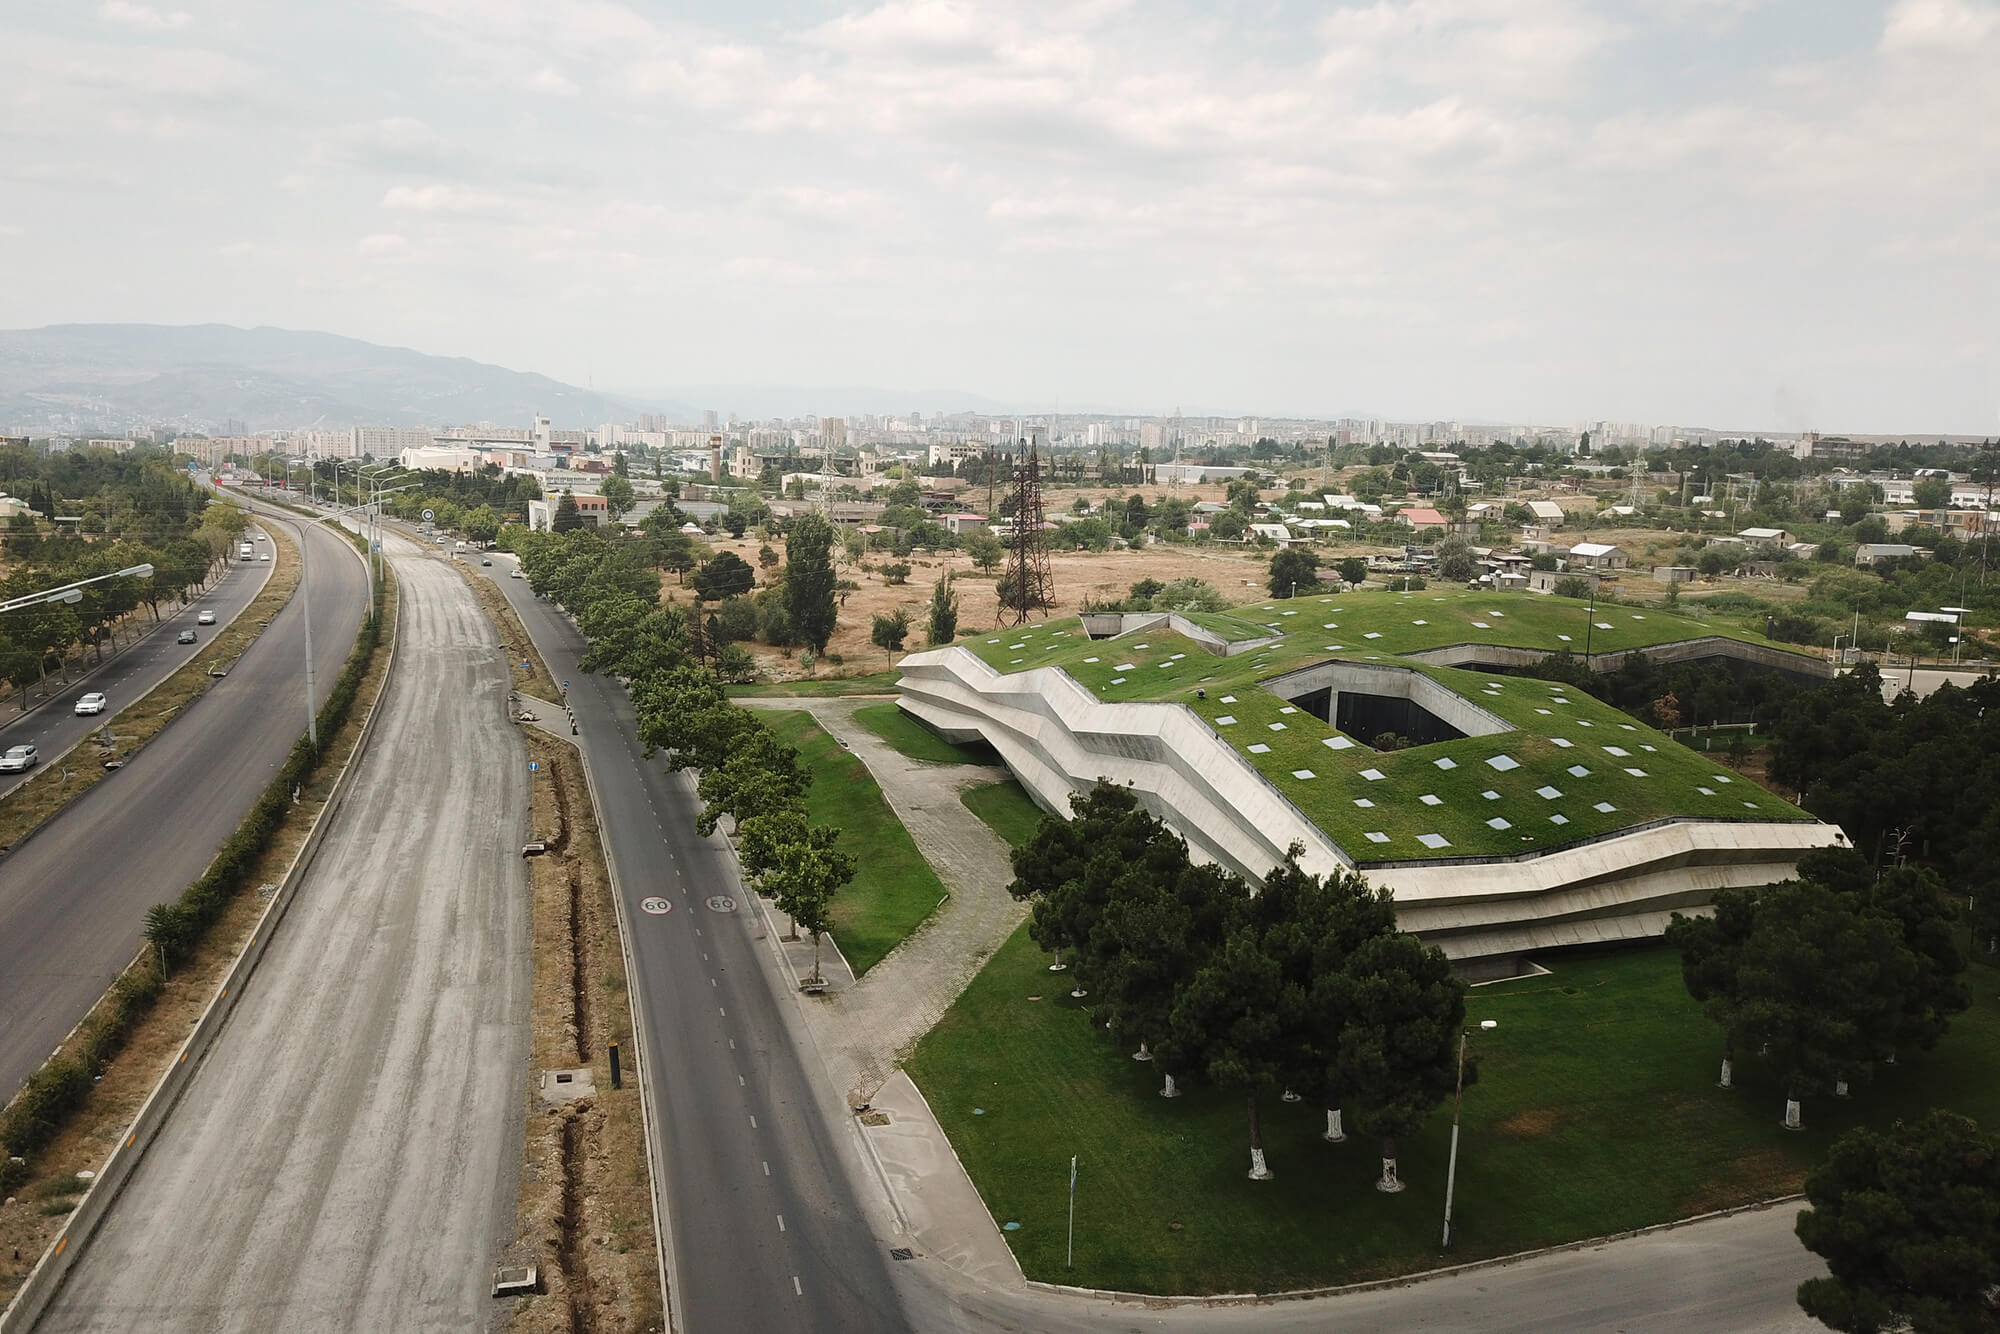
x: 1397, y: 1054
x: 1343, y: 914
x: 1236, y: 1021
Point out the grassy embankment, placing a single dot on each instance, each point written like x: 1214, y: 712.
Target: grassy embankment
x: 894, y: 888
x: 1596, y: 1111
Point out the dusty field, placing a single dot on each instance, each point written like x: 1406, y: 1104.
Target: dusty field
x: 30, y: 1219
x: 1237, y: 574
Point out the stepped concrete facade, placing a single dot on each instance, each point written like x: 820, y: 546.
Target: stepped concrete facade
x: 1059, y: 739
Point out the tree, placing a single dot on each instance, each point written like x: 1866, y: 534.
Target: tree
x: 1932, y: 493
x: 1291, y: 569
x: 1572, y: 586
x: 896, y: 572
x: 724, y: 575
x: 807, y: 873
x: 1236, y: 1020
x: 809, y: 581
x: 761, y: 775
x: 1353, y: 571
x: 735, y: 620
x: 566, y: 518
x: 1402, y: 1013
x: 1908, y: 1223
x: 890, y: 631
x: 618, y: 495
x: 1455, y: 560
x: 673, y: 550
x: 985, y: 550
x: 944, y: 612
x: 1227, y: 526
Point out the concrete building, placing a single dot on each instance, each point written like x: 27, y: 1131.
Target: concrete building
x: 1598, y: 556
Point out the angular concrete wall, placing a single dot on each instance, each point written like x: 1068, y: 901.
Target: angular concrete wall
x: 1059, y: 739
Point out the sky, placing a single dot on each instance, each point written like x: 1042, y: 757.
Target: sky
x: 1781, y: 214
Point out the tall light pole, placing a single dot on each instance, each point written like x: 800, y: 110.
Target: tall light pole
x: 1457, y: 1098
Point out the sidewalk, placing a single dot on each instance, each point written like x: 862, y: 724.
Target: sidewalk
x: 866, y: 1028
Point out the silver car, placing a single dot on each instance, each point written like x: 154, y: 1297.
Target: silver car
x: 19, y: 758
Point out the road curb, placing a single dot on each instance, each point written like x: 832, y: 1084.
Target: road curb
x: 1406, y: 1280
x: 45, y: 1280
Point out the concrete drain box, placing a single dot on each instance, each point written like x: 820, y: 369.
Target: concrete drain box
x: 559, y: 1086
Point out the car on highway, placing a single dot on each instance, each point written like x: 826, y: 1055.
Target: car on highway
x: 19, y: 758
x: 484, y: 561
x: 516, y: 574
x: 90, y: 703
x: 186, y: 637
x: 265, y: 556
x: 205, y: 618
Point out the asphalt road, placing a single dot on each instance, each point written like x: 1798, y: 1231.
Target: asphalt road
x: 713, y: 1017
x: 768, y: 1231
x: 125, y: 678
x: 347, y: 1156
x: 73, y: 898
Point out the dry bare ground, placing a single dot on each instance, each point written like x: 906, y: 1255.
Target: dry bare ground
x: 584, y: 1217
x: 30, y: 1218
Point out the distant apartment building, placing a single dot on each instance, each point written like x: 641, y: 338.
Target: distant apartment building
x: 592, y: 510
x: 832, y: 431
x: 952, y: 454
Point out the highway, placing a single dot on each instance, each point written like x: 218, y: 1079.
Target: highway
x: 347, y: 1155
x: 73, y: 898
x: 709, y: 994
x: 125, y: 678
x: 768, y: 1231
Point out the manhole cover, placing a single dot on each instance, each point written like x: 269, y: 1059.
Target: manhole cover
x: 657, y: 907
x: 722, y: 903
x: 902, y: 1253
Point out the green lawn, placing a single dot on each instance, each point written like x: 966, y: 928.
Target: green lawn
x: 894, y: 888
x: 1007, y: 808
x: 1596, y: 1111
x: 874, y: 683
x: 1373, y: 804
x: 913, y: 739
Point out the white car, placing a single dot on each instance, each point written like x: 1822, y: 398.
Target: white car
x: 205, y: 618
x: 516, y: 574
x: 19, y: 758
x: 265, y: 556
x: 91, y: 703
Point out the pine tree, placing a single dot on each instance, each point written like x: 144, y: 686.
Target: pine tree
x: 944, y: 612
x: 809, y: 581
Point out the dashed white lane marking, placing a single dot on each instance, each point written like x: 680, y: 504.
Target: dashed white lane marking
x: 739, y: 1081
x: 795, y: 1286
x: 767, y: 1169
x: 781, y: 1222
x: 753, y: 1122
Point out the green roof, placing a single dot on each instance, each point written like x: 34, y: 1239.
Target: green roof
x: 1574, y: 767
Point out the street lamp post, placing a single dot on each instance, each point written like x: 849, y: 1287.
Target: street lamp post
x: 1457, y: 1098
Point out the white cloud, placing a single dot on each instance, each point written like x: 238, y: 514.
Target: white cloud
x: 143, y: 18
x: 443, y: 198
x: 382, y: 244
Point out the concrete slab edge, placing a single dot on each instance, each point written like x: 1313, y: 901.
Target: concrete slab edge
x: 663, y: 1232
x: 1406, y: 1280
x: 45, y: 1280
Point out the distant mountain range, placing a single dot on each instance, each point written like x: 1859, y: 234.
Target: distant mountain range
x: 69, y: 377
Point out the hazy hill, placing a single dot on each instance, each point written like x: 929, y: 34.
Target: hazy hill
x: 71, y: 376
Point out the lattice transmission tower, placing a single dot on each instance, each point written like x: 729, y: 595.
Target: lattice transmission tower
x: 1027, y: 585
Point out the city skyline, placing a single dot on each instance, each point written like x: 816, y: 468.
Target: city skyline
x: 1746, y: 214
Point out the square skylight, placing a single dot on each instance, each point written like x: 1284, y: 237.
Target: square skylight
x: 1499, y: 822
x: 1619, y: 751
x: 1558, y: 819
x: 1604, y: 806
x: 1636, y: 773
x: 1118, y: 680
x: 1419, y: 622
x: 1091, y: 660
x: 1434, y: 840
x: 1142, y: 646
x: 1277, y: 727
x: 1446, y: 763
x: 1497, y: 614
x: 1012, y: 661
x: 1337, y: 743
x: 1504, y: 762
x: 1377, y: 836
x: 1490, y: 795
x: 1706, y: 791
x: 1718, y: 778
x: 1124, y: 667
x: 1644, y: 746
x: 1482, y: 625
x: 1335, y: 648
x: 1578, y: 771
x: 1564, y: 742
x: 1177, y: 657
x: 1544, y: 712
x: 1364, y: 803
x: 1331, y: 625
x: 1017, y: 646
x: 1431, y: 799
x: 1548, y: 793
x: 1225, y: 720
x: 1372, y: 635
x: 1751, y: 804
x: 1602, y: 625
x: 1373, y: 775
x: 1582, y: 722
x: 1628, y: 727
x: 992, y: 641
x: 1229, y: 699
x: 1304, y: 773
x: 1288, y: 709
x: 1566, y: 639
x: 1260, y: 749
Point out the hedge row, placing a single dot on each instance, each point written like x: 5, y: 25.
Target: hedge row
x: 56, y: 1091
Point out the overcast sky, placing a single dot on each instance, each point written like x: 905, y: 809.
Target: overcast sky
x: 1775, y: 213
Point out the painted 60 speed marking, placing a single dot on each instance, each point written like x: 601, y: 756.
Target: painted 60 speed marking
x: 657, y: 906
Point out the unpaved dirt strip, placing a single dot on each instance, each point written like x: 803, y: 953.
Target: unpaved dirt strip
x: 346, y: 1157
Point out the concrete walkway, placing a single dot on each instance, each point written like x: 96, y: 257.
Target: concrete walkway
x: 865, y: 1029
